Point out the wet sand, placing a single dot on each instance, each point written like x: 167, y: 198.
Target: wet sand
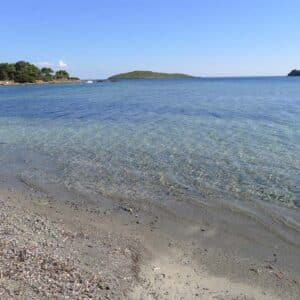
x: 57, y: 247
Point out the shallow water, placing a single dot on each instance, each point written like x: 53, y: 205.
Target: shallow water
x: 235, y: 139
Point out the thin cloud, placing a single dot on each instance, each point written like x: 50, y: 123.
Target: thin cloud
x: 62, y: 64
x: 44, y: 64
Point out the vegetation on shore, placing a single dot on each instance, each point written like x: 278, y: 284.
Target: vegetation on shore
x: 294, y: 73
x: 25, y: 72
x: 148, y: 74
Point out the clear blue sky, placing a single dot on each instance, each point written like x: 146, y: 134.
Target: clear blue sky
x: 200, y: 37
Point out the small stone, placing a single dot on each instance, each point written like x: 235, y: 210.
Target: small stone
x: 255, y: 270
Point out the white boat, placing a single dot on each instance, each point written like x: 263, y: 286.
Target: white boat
x: 90, y: 81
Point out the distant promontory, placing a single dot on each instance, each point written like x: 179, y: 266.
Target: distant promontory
x: 148, y: 74
x: 294, y: 73
x: 23, y: 72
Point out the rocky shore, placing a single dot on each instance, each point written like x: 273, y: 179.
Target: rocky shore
x: 13, y: 83
x: 45, y: 253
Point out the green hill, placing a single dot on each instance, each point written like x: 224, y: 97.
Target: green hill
x: 148, y: 74
x: 294, y: 73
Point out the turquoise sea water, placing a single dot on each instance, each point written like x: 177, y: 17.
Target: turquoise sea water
x: 234, y: 139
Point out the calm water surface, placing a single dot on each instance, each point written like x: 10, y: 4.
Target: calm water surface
x: 229, y: 139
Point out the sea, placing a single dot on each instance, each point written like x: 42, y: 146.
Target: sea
x: 232, y: 140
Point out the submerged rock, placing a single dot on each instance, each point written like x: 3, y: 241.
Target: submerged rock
x: 297, y: 203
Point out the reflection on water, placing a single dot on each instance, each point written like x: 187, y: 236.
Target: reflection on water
x: 228, y: 139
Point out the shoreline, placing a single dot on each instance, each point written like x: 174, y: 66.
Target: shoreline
x: 139, y: 251
x: 40, y: 82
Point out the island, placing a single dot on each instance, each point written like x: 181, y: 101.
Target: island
x: 294, y: 73
x: 23, y: 72
x: 148, y: 74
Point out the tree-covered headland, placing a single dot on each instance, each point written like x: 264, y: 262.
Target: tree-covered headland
x: 148, y: 74
x: 25, y: 72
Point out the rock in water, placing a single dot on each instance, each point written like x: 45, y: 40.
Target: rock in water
x: 297, y: 203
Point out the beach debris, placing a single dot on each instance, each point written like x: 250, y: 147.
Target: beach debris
x: 127, y: 209
x: 255, y: 270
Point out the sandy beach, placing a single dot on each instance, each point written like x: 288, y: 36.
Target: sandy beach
x: 52, y: 248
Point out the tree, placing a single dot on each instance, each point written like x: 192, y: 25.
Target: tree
x: 26, y: 72
x: 3, y: 72
x: 46, y: 74
x: 62, y: 74
x: 7, y: 71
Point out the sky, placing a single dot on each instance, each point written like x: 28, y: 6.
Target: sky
x: 96, y: 39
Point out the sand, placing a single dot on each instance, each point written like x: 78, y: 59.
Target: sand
x: 55, y: 248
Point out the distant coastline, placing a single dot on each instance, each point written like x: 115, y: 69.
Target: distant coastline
x: 294, y: 73
x: 39, y: 82
x: 148, y: 74
x: 23, y: 72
